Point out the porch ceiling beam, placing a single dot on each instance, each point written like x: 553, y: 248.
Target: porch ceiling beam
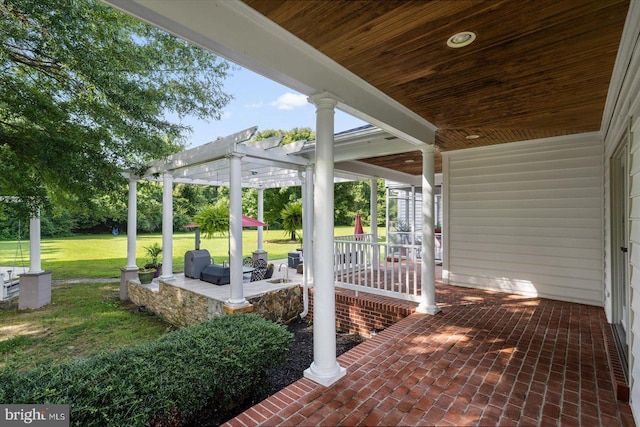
x: 367, y: 149
x: 365, y: 169
x: 237, y: 32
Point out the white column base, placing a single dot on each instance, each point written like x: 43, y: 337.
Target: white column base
x: 167, y: 277
x: 324, y: 378
x: 35, y: 290
x: 237, y: 303
x: 428, y: 309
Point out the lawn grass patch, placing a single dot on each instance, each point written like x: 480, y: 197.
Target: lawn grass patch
x: 82, y: 319
x: 104, y: 255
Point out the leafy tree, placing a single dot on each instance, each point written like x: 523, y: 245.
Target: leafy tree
x: 84, y: 93
x: 292, y: 218
x: 293, y: 135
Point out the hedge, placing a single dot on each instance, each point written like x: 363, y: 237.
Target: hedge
x: 221, y: 360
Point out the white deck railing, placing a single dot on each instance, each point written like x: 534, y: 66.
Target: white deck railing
x: 378, y: 268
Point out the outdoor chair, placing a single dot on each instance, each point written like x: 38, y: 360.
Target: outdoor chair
x: 260, y: 271
x: 247, y: 262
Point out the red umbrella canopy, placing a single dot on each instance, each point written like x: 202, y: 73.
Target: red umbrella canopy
x: 251, y: 222
x: 246, y: 222
x: 358, y: 229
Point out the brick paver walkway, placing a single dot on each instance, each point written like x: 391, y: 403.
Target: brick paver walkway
x: 487, y: 359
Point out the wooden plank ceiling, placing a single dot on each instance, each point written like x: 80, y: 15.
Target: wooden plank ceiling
x: 536, y: 69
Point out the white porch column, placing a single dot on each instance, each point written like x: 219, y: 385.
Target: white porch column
x: 35, y: 265
x: 132, y: 224
x: 35, y: 284
x: 130, y: 271
x: 260, y: 218
x: 428, y: 271
x: 373, y: 216
x: 167, y: 226
x: 325, y: 369
x: 307, y: 243
x: 236, y: 299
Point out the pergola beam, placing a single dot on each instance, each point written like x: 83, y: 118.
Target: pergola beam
x: 221, y: 147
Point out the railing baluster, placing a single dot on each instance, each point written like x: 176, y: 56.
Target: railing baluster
x: 355, y: 266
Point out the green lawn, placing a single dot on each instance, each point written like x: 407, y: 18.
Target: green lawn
x: 91, y: 256
x: 82, y: 319
x: 86, y: 318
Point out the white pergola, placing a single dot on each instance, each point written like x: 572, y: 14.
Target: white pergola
x: 236, y: 162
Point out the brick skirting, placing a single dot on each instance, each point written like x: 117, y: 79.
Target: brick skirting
x: 366, y: 314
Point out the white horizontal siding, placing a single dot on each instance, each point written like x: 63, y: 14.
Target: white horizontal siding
x: 526, y: 218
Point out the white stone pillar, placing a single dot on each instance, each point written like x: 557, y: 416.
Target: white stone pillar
x: 261, y: 219
x: 236, y: 299
x: 132, y: 224
x: 167, y: 226
x: 428, y: 271
x: 35, y: 265
x: 325, y: 369
x: 373, y: 217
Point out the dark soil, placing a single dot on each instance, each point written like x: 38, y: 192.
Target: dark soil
x: 299, y: 358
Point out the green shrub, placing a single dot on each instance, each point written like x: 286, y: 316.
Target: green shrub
x: 221, y: 360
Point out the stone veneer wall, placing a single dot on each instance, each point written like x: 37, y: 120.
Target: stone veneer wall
x: 366, y: 313
x: 282, y: 306
x: 182, y: 307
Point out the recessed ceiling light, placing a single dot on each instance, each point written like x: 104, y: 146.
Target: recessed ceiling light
x: 472, y: 136
x: 409, y: 161
x: 462, y: 39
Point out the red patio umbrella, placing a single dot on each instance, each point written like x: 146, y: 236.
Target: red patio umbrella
x: 246, y: 222
x: 358, y: 229
x: 251, y: 222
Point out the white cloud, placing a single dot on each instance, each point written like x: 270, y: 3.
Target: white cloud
x: 254, y: 105
x: 289, y: 101
x: 226, y: 115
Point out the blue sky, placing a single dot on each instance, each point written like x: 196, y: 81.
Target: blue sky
x: 260, y: 102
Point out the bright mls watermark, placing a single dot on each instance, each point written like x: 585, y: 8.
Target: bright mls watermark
x: 36, y: 415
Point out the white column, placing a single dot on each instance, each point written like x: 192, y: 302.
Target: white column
x: 34, y: 244
x: 307, y: 244
x: 428, y: 271
x: 306, y: 190
x: 373, y: 215
x: 167, y: 226
x: 236, y: 299
x: 260, y: 218
x: 325, y: 369
x: 132, y: 224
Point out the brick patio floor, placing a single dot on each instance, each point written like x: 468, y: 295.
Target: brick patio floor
x: 487, y: 359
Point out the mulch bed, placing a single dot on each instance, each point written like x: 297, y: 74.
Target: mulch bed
x: 299, y: 358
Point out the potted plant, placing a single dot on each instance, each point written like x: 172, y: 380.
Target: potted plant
x: 269, y: 272
x: 145, y: 275
x: 153, y: 252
